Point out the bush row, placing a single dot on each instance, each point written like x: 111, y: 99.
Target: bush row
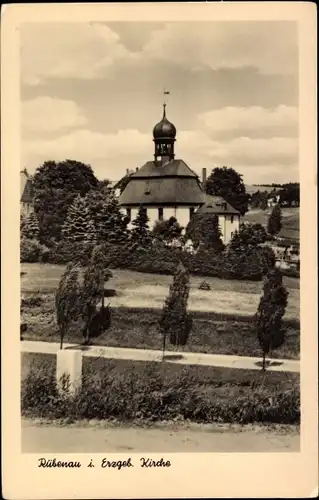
x: 249, y: 265
x: 131, y: 396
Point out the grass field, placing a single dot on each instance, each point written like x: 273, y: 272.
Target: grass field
x: 139, y: 328
x: 290, y: 221
x: 134, y: 289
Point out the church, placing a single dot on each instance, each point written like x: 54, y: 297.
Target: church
x: 167, y: 187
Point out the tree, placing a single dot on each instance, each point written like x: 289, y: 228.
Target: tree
x: 140, y: 232
x: 30, y: 227
x: 56, y: 184
x: 92, y: 293
x: 175, y: 321
x: 67, y: 300
x: 204, y: 228
x: 167, y: 230
x: 274, y: 220
x: 78, y: 226
x: 226, y: 182
x: 249, y: 235
x: 111, y: 223
x: 270, y: 312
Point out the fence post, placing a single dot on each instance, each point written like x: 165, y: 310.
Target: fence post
x: 69, y: 366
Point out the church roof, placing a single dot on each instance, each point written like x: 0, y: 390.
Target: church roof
x: 173, y: 168
x: 217, y: 205
x: 162, y: 191
x: 164, y: 129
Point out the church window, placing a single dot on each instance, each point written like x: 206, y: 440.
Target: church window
x: 191, y: 212
x: 128, y: 213
x: 160, y: 213
x: 232, y: 219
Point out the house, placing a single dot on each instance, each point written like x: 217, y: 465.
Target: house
x: 26, y: 193
x: 167, y: 187
x: 228, y: 216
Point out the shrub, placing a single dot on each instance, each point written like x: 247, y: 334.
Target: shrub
x: 151, y: 395
x: 64, y: 252
x: 32, y: 251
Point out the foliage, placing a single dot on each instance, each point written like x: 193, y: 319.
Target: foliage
x: 167, y: 230
x: 249, y: 235
x: 56, y: 184
x: 270, y: 312
x: 30, y: 227
x: 92, y: 293
x: 111, y: 224
x: 204, y: 229
x: 274, y: 221
x: 78, y: 226
x: 140, y: 232
x: 67, y: 300
x: 152, y: 392
x: 226, y: 182
x: 32, y: 251
x: 290, y: 194
x: 175, y: 320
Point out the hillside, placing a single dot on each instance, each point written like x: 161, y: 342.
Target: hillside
x: 290, y: 221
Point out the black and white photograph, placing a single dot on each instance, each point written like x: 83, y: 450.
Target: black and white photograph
x: 160, y: 234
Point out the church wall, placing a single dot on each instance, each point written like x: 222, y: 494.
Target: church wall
x: 182, y: 214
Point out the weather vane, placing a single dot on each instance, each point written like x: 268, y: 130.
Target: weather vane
x: 165, y: 92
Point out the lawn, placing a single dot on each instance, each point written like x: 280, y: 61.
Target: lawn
x: 134, y: 289
x: 133, y: 390
x: 138, y: 328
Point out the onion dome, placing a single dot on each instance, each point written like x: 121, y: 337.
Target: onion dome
x: 164, y: 129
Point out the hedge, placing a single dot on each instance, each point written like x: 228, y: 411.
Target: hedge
x: 132, y: 395
x: 250, y: 265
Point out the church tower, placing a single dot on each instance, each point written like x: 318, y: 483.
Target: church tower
x: 164, y: 134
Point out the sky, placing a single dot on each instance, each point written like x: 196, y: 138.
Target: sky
x: 93, y: 92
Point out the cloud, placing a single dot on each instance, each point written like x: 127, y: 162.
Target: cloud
x: 111, y: 154
x: 47, y: 114
x: 250, y: 118
x: 68, y: 50
x: 271, y: 47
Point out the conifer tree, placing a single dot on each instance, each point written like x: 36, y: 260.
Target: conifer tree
x: 30, y: 227
x: 111, y: 223
x: 175, y: 321
x: 78, y: 226
x: 140, y: 232
x: 67, y: 300
x: 274, y: 220
x: 270, y: 312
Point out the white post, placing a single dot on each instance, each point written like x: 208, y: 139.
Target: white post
x: 69, y: 365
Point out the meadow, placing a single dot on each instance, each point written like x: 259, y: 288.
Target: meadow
x: 290, y: 221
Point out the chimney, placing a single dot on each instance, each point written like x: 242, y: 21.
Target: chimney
x: 127, y: 171
x: 204, y: 178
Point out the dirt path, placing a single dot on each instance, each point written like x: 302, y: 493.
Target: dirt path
x: 97, y: 437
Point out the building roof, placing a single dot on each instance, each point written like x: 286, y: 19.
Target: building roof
x: 26, y: 188
x: 172, y: 168
x: 162, y: 191
x: 217, y: 205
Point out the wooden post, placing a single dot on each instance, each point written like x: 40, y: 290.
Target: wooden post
x: 69, y: 370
